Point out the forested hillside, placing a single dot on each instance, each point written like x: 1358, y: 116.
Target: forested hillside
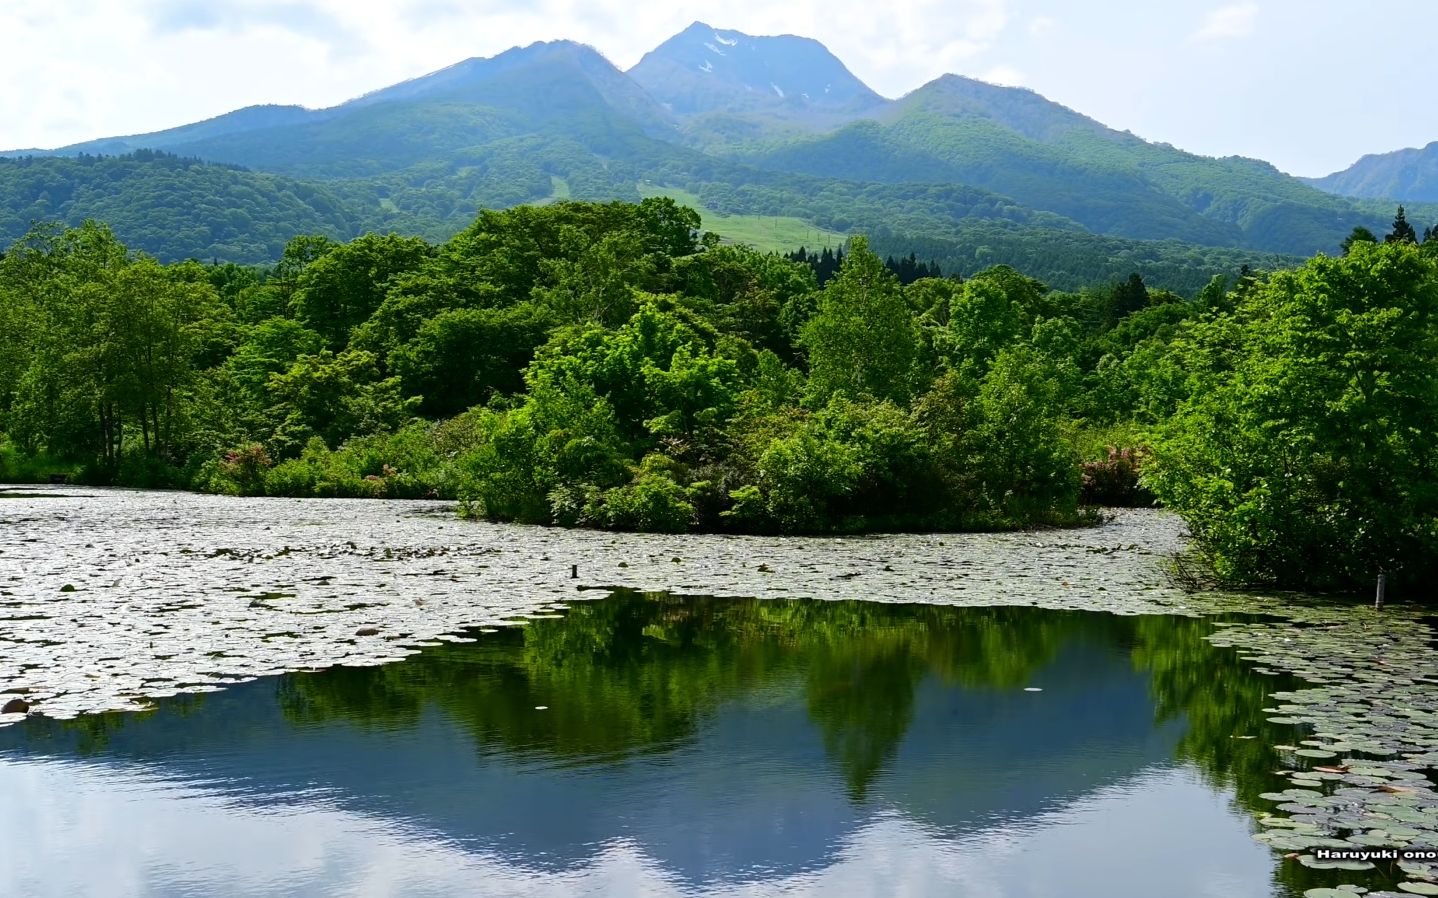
x: 173, y: 208
x: 611, y: 365
x: 750, y: 126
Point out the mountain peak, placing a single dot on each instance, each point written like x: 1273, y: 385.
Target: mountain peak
x: 706, y: 69
x: 476, y: 70
x: 1019, y: 108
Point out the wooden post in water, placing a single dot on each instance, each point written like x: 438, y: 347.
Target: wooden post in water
x: 574, y: 572
x: 1382, y: 587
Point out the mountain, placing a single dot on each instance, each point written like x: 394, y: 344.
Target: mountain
x: 704, y: 69
x: 1409, y: 175
x: 1014, y: 142
x: 251, y: 118
x: 731, y: 83
x: 559, y: 88
x: 751, y: 126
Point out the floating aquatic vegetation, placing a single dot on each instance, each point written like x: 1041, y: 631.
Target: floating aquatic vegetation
x: 178, y: 593
x: 1372, y: 710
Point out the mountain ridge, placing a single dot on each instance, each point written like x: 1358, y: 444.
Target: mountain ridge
x: 751, y: 125
x: 1406, y: 175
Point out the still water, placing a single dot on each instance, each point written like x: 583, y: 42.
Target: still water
x: 654, y: 745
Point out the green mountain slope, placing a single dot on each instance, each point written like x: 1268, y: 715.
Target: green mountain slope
x: 173, y: 208
x: 1409, y: 175
x: 1016, y: 143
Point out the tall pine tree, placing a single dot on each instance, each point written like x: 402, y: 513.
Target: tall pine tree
x: 1403, y: 232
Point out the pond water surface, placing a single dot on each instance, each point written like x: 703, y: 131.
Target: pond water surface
x: 647, y: 744
x: 615, y: 743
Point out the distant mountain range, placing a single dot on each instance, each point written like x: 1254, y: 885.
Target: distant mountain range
x: 1408, y: 175
x: 759, y: 126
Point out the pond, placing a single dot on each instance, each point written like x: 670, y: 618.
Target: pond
x: 209, y: 720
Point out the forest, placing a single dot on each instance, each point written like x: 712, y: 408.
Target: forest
x: 174, y: 208
x: 613, y: 365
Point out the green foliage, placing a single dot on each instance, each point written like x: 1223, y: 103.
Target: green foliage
x: 462, y: 357
x: 731, y: 394
x: 861, y: 341
x: 1402, y: 232
x: 1024, y: 467
x: 334, y: 397
x: 341, y: 288
x: 19, y: 466
x: 1303, y: 451
x: 1360, y: 235
x: 172, y: 208
x: 105, y: 346
x: 1114, y: 481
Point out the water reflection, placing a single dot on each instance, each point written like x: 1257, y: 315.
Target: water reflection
x: 687, y: 746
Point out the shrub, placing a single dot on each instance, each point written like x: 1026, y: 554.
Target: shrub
x: 241, y: 471
x: 1114, y: 481
x: 1303, y: 455
x: 652, y: 502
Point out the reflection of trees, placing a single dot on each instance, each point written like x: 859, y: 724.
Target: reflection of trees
x: 638, y: 673
x: 1222, y: 700
x: 862, y: 701
x: 91, y: 734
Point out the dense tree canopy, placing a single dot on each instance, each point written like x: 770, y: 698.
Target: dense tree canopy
x: 611, y: 365
x: 1305, y: 447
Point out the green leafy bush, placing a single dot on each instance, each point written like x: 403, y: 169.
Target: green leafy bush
x: 1304, y: 453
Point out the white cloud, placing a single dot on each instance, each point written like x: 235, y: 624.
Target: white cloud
x: 1234, y: 21
x: 1043, y: 25
x: 1005, y: 75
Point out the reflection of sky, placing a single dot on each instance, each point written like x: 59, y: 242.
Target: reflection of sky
x: 80, y: 829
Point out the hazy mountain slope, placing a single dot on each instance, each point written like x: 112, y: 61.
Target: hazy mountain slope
x: 510, y: 80
x: 560, y: 89
x: 1407, y: 175
x: 251, y: 118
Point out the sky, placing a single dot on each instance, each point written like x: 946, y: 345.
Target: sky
x: 1309, y: 85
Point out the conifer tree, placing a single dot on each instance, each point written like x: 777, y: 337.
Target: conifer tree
x: 1403, y: 232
